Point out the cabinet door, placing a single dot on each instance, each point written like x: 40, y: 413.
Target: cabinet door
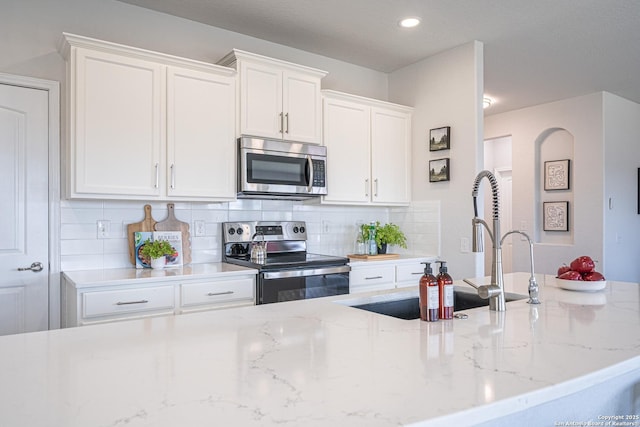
x: 200, y: 135
x: 390, y: 156
x: 115, y: 133
x: 371, y: 278
x: 302, y: 104
x: 346, y: 135
x: 261, y: 100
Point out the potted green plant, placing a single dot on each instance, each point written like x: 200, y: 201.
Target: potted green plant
x: 156, y: 251
x: 388, y: 234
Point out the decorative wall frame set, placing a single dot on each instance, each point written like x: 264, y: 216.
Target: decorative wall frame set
x: 439, y: 139
x: 555, y: 215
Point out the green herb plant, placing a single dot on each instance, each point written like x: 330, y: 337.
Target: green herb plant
x: 389, y: 234
x: 156, y: 249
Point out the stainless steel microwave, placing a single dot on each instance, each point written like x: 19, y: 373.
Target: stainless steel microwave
x: 272, y: 169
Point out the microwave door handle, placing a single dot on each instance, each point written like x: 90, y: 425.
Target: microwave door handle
x: 310, y: 174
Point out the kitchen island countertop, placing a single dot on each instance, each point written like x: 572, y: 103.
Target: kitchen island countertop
x: 321, y: 362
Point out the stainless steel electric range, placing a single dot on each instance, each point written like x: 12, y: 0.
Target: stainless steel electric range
x: 287, y: 272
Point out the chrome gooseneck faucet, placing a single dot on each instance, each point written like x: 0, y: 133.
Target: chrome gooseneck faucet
x: 494, y: 291
x: 534, y: 290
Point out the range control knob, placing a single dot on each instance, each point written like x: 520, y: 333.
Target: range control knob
x: 302, y: 229
x: 232, y: 231
x: 295, y: 229
x: 239, y: 230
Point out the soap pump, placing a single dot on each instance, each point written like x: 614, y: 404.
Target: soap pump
x: 429, y: 295
x: 445, y: 288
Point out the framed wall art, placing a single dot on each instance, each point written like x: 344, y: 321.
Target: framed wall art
x: 439, y: 170
x: 555, y: 216
x: 440, y: 139
x: 556, y: 175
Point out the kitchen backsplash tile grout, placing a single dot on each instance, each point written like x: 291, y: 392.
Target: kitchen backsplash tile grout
x: 331, y: 229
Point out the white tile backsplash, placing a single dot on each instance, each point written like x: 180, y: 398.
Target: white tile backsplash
x: 331, y: 229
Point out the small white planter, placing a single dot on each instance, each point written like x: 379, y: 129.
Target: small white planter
x: 158, y: 262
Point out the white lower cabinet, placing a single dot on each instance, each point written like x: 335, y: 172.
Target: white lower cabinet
x: 212, y: 294
x: 409, y: 274
x: 124, y: 302
x: 371, y: 278
x: 368, y: 276
x: 100, y: 296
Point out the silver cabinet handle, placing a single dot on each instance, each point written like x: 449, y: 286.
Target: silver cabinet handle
x: 157, y: 175
x: 173, y: 176
x: 215, y: 294
x: 375, y: 187
x: 287, y: 122
x: 417, y: 273
x: 366, y: 187
x: 374, y: 277
x: 142, y: 301
x: 35, y: 267
x: 281, y: 122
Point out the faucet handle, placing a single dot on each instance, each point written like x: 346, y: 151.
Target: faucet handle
x: 484, y: 291
x: 489, y: 291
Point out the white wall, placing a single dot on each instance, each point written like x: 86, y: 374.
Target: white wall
x: 31, y: 30
x: 446, y: 90
x: 605, y: 130
x: 622, y: 160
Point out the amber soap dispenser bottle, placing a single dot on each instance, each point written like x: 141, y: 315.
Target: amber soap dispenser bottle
x: 445, y: 288
x: 429, y: 295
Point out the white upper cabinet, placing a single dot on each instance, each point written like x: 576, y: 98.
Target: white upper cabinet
x: 278, y: 99
x: 200, y: 135
x: 368, y: 150
x: 144, y: 125
x: 347, y: 136
x: 391, y: 155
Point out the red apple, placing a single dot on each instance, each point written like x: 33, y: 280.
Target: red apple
x: 583, y: 264
x: 563, y: 269
x: 593, y: 276
x: 571, y: 275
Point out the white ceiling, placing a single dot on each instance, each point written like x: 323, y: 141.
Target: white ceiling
x: 534, y: 51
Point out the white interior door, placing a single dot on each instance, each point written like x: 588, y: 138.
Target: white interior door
x: 24, y: 232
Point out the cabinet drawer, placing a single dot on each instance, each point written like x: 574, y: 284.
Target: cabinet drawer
x: 409, y: 273
x: 372, y: 276
x: 103, y: 303
x: 217, y: 292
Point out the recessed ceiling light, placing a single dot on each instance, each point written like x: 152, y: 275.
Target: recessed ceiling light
x: 409, y: 22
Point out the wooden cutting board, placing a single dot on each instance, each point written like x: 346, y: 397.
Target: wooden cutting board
x: 174, y: 224
x: 365, y: 257
x: 146, y: 224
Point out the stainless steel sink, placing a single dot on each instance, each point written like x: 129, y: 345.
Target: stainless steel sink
x: 409, y: 308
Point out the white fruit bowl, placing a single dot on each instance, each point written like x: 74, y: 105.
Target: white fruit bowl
x: 581, y: 285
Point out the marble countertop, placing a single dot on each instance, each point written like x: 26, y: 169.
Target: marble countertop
x: 114, y: 276
x: 321, y: 362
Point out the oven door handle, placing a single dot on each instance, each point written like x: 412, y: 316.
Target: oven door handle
x: 305, y: 272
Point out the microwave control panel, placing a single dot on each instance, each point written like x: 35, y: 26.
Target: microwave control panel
x: 319, y: 174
